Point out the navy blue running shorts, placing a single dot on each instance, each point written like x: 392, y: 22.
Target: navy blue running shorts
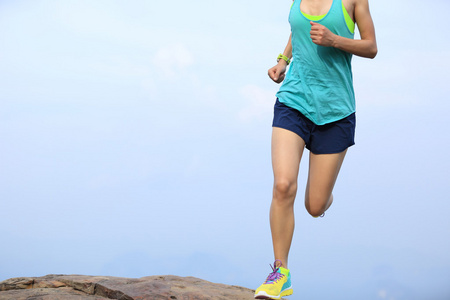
x: 330, y: 138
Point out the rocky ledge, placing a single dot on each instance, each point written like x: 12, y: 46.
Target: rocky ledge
x: 80, y: 287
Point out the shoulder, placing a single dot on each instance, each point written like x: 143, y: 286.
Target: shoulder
x: 361, y: 3
x: 354, y: 3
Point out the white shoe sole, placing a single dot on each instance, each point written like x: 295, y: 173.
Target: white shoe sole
x: 264, y: 295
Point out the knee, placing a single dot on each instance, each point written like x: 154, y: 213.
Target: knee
x: 315, y: 211
x: 315, y: 206
x: 284, y: 190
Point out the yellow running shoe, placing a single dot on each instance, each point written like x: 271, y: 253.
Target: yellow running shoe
x: 277, y: 284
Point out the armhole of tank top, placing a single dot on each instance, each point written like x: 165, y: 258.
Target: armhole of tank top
x: 348, y: 19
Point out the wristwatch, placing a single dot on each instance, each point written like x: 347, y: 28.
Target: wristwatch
x: 283, y: 57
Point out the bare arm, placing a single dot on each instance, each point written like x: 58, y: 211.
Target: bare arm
x: 288, y: 50
x: 277, y: 73
x: 365, y: 47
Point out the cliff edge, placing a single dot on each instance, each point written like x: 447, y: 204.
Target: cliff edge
x: 80, y: 287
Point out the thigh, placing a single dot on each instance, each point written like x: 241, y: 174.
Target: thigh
x: 322, y: 175
x: 287, y: 151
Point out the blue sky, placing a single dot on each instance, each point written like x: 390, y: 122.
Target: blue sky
x: 136, y: 141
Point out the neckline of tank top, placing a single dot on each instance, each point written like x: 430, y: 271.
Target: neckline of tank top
x: 316, y: 16
x: 350, y: 23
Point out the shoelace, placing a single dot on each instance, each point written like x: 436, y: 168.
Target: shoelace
x: 274, y: 276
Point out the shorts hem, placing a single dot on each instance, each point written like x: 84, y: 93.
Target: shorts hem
x: 291, y: 130
x: 331, y: 151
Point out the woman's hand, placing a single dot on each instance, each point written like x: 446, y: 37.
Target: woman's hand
x: 321, y: 35
x: 277, y: 73
x: 365, y: 47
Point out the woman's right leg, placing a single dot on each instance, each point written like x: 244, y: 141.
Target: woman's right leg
x: 287, y: 150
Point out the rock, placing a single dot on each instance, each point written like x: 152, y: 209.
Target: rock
x: 78, y: 287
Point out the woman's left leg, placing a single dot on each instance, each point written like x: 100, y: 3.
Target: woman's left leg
x: 323, y: 172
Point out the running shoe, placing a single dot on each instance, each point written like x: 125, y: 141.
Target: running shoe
x: 277, y: 284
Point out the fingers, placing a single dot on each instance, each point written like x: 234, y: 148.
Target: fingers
x: 276, y: 74
x: 280, y: 78
x: 273, y: 74
x: 316, y: 26
x: 315, y: 32
x: 320, y: 34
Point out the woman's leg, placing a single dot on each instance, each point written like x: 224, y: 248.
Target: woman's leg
x: 323, y: 172
x: 287, y: 150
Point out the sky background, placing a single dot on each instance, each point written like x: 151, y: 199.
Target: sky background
x: 135, y: 141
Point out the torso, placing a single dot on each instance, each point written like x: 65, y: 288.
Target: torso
x: 321, y: 7
x: 319, y: 82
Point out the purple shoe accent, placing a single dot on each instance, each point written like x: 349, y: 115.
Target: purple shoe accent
x: 274, y: 276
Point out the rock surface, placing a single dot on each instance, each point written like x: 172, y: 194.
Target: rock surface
x: 79, y: 287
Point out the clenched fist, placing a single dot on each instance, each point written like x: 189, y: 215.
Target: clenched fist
x: 321, y: 35
x: 277, y: 73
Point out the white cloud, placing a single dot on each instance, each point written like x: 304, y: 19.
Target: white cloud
x: 382, y: 294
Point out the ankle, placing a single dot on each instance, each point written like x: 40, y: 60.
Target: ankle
x: 280, y: 263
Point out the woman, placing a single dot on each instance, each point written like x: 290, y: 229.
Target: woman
x: 315, y: 108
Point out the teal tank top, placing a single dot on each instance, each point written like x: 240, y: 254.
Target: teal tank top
x: 319, y: 82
